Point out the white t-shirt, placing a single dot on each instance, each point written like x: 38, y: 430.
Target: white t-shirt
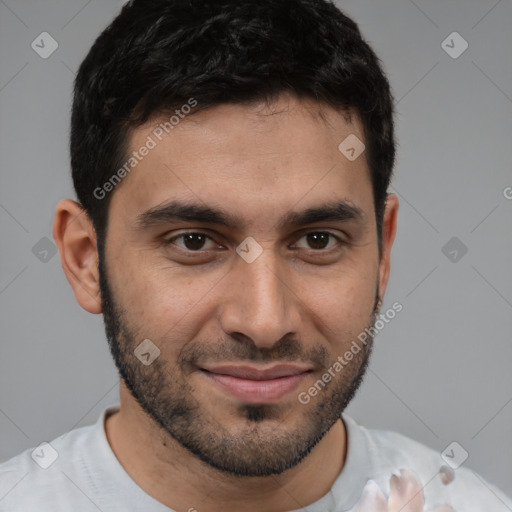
x: 78, y: 472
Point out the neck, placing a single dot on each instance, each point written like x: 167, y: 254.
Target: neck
x: 178, y: 479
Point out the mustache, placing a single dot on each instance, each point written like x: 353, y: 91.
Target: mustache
x: 286, y: 349
x: 241, y: 348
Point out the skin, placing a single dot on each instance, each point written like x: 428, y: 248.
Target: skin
x: 297, y: 302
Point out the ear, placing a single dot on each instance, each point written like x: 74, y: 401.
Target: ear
x: 389, y: 224
x: 75, y: 237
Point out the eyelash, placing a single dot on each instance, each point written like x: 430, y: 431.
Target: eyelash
x: 170, y: 241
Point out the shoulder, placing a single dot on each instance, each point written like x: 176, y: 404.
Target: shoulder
x: 37, y: 479
x: 444, y: 478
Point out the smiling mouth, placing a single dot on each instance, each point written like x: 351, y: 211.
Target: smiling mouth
x: 257, y: 385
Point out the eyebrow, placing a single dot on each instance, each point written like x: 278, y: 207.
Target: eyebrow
x: 337, y: 211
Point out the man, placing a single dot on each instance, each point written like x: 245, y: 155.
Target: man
x: 231, y: 162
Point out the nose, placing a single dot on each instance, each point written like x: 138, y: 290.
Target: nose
x: 259, y: 301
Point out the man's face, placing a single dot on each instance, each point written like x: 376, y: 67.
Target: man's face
x: 241, y: 338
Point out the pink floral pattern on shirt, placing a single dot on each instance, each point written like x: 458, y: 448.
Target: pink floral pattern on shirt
x: 405, y: 495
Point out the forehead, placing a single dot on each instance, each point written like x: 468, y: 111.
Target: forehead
x: 244, y: 158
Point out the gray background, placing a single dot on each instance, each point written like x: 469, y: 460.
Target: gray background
x: 441, y: 369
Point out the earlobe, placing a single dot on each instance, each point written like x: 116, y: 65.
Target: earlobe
x: 389, y: 225
x: 75, y: 237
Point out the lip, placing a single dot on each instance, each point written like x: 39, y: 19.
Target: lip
x: 257, y: 384
x: 260, y: 372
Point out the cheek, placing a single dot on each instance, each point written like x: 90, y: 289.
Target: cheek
x: 341, y: 304
x: 163, y: 303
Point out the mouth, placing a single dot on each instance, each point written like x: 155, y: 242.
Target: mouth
x: 257, y: 384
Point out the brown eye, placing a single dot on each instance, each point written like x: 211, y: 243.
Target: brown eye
x: 194, y: 241
x: 319, y: 240
x: 190, y: 241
